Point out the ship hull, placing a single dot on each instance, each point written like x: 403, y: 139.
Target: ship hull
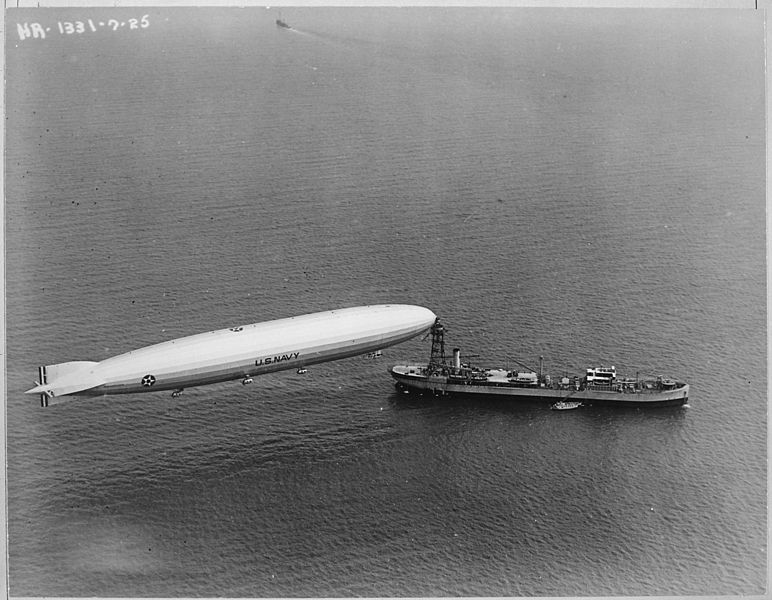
x: 442, y: 386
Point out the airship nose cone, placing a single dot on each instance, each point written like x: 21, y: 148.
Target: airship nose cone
x: 424, y: 315
x: 417, y: 316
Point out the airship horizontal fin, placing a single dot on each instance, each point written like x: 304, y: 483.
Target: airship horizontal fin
x: 59, y: 380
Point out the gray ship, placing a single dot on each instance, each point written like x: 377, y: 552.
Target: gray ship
x: 599, y: 385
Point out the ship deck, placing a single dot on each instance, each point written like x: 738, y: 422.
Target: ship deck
x: 498, y: 382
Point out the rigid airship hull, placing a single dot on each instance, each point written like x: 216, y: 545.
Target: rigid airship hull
x: 240, y: 352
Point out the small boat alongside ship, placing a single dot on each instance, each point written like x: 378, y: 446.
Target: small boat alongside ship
x: 599, y: 385
x: 566, y: 405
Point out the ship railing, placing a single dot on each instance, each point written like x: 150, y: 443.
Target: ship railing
x: 604, y: 387
x: 633, y: 386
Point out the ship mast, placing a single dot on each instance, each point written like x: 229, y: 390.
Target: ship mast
x: 437, y: 358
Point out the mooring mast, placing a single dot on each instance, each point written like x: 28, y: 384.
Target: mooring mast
x: 437, y: 358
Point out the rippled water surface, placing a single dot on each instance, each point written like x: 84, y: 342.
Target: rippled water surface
x: 586, y: 186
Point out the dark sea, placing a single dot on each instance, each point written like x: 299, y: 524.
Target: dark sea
x: 583, y: 185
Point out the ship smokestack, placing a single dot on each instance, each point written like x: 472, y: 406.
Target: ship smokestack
x: 456, y: 358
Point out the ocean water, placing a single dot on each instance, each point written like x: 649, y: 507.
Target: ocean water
x: 583, y: 185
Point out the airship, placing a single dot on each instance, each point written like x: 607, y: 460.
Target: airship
x: 240, y: 352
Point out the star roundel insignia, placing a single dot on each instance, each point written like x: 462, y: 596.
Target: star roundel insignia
x: 148, y: 380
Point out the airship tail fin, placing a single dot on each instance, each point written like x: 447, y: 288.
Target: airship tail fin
x: 46, y: 400
x: 53, y: 373
x: 59, y: 380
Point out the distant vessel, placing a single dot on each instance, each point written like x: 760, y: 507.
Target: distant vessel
x: 281, y: 23
x: 599, y: 385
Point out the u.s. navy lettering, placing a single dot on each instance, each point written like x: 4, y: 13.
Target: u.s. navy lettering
x: 269, y: 360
